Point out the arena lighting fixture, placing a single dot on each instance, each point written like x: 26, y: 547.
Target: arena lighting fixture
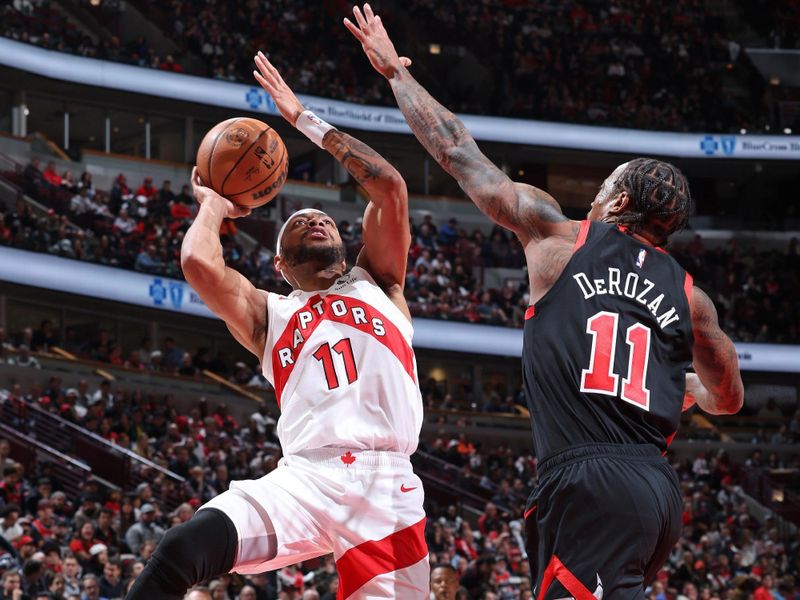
x: 435, y: 49
x: 788, y: 131
x: 26, y: 110
x: 743, y: 131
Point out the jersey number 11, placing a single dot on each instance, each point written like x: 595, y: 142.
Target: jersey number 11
x: 344, y: 349
x: 599, y: 378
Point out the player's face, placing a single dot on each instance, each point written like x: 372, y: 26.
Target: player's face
x: 444, y: 584
x: 603, y: 202
x: 311, y: 236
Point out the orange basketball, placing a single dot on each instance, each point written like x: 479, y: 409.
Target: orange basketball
x: 243, y: 160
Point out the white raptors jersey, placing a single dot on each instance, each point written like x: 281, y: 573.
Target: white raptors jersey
x: 343, y: 370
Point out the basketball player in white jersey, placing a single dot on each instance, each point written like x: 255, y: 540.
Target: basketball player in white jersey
x: 338, y: 353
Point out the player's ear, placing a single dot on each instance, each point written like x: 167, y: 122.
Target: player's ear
x: 619, y: 204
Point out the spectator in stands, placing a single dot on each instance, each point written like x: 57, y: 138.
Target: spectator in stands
x: 10, y: 527
x: 71, y: 569
x: 147, y: 260
x: 172, y: 354
x: 198, y: 593
x: 24, y: 358
x: 90, y: 585
x: 105, y: 531
x: 44, y: 337
x: 33, y: 177
x: 147, y: 189
x: 111, y: 580
x: 83, y: 542
x: 146, y: 529
x: 12, y: 586
x: 120, y: 194
x: 51, y: 176
x: 85, y: 184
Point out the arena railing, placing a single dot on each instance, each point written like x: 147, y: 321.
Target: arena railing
x: 71, y: 474
x: 119, y: 465
x: 776, y: 489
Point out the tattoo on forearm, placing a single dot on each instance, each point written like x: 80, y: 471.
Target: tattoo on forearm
x: 361, y: 161
x: 449, y: 142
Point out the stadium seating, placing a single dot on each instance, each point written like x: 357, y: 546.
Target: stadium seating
x: 497, y: 57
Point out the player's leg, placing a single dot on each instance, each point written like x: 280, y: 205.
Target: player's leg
x: 202, y: 548
x: 600, y: 523
x: 260, y: 523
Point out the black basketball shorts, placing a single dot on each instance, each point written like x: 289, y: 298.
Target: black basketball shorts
x: 601, y: 521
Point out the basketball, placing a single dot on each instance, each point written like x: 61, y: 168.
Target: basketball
x: 243, y: 160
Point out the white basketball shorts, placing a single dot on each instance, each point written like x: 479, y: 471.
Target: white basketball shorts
x: 365, y: 507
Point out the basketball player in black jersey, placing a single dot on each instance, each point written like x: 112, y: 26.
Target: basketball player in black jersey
x: 613, y: 328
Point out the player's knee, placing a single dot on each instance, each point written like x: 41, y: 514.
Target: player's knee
x: 197, y: 550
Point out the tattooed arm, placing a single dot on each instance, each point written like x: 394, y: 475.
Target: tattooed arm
x: 527, y: 211
x: 385, y: 229
x: 717, y: 386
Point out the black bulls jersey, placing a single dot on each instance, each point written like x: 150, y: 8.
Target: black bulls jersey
x: 606, y: 349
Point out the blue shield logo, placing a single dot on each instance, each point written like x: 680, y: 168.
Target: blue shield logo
x: 176, y: 294
x: 728, y: 144
x: 253, y: 98
x: 158, y: 292
x: 709, y: 145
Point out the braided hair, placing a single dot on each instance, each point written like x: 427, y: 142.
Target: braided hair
x: 660, y: 199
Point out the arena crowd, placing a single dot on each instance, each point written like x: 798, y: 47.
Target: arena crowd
x: 142, y: 228
x: 55, y: 547
x: 647, y: 65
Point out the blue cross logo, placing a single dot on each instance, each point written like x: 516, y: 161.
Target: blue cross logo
x: 709, y: 145
x: 728, y: 144
x: 254, y: 98
x: 176, y: 294
x: 158, y: 292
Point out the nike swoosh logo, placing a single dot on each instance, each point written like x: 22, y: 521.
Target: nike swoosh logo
x: 405, y: 489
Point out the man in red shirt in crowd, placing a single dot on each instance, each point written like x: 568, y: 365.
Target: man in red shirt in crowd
x: 51, y: 176
x: 147, y: 189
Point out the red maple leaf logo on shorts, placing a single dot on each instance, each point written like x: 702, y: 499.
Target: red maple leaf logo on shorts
x: 348, y: 458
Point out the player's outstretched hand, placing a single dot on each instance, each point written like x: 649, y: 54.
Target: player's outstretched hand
x: 375, y: 42
x: 206, y: 194
x: 269, y: 78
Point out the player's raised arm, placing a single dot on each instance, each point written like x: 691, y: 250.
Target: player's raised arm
x: 717, y: 386
x: 527, y: 211
x: 385, y: 228
x: 225, y: 291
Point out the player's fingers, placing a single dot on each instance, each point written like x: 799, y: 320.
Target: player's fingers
x: 359, y: 35
x: 362, y: 22
x: 269, y: 66
x: 196, y: 178
x: 260, y: 79
x: 405, y: 61
x: 263, y: 66
x: 368, y: 13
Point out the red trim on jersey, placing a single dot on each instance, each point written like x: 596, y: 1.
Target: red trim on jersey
x: 393, y: 339
x: 529, y: 512
x: 582, y: 234
x: 396, y: 551
x: 688, y: 284
x: 557, y: 570
x: 530, y: 312
x: 669, y: 441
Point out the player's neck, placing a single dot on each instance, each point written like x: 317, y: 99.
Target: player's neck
x: 311, y: 278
